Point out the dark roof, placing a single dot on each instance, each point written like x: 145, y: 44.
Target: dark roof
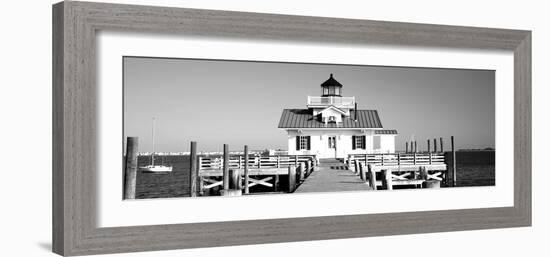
x: 386, y: 132
x: 331, y: 82
x: 303, y: 118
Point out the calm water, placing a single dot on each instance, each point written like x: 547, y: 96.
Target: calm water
x: 473, y: 169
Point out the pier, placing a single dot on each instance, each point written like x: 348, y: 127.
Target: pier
x: 242, y: 173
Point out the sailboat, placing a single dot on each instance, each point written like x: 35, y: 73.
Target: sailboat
x: 155, y: 168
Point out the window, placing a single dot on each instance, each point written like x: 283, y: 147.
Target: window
x: 358, y: 142
x: 331, y: 90
x: 303, y: 143
x: 337, y: 91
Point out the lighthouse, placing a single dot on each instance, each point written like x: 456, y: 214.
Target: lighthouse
x: 332, y: 126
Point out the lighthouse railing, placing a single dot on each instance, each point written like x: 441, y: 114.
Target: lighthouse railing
x: 345, y: 102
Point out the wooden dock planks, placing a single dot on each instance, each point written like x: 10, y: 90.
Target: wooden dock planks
x: 332, y: 177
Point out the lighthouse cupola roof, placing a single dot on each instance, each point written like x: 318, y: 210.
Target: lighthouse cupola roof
x: 331, y: 87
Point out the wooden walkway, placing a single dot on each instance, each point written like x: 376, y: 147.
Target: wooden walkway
x: 332, y: 176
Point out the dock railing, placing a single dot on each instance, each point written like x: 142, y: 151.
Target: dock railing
x: 256, y: 170
x: 398, y: 158
x: 255, y: 162
x: 427, y: 169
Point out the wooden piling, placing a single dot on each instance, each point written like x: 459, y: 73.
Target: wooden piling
x: 435, y: 145
x: 387, y: 180
x: 363, y: 172
x: 359, y: 171
x: 246, y: 178
x: 291, y: 178
x: 441, y: 144
x: 225, y: 166
x: 130, y: 172
x: 415, y: 147
x: 406, y: 147
x: 372, y: 177
x: 309, y: 168
x: 275, y: 183
x: 193, y: 170
x: 453, y: 153
x: 302, y: 170
x: 429, y: 150
x: 235, y: 179
x: 413, y: 174
x: 423, y: 173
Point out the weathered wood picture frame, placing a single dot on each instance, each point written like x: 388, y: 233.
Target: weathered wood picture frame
x: 74, y: 130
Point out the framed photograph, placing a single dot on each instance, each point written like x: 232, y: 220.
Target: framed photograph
x: 182, y: 128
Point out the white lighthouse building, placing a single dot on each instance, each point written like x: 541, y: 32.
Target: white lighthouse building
x: 333, y: 127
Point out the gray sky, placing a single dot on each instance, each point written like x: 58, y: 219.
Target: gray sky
x: 238, y: 103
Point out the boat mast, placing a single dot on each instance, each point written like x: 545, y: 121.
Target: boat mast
x: 153, y: 140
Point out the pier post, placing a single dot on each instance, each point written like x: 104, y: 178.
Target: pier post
x: 302, y: 169
x: 291, y: 178
x: 235, y: 181
x: 406, y: 147
x: 130, y: 172
x: 415, y: 147
x: 454, y: 159
x: 246, y: 178
x: 225, y: 166
x: 423, y: 173
x: 372, y: 177
x: 435, y: 145
x: 193, y: 169
x: 309, y: 168
x: 441, y: 144
x: 234, y: 184
x: 362, y: 172
x: 275, y: 183
x: 356, y: 165
x: 429, y: 150
x: 387, y: 180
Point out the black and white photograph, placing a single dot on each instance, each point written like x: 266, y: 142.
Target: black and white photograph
x: 205, y: 128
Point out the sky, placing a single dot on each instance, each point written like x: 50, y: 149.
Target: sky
x: 216, y: 102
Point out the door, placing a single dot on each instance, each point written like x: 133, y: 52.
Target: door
x: 332, y: 146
